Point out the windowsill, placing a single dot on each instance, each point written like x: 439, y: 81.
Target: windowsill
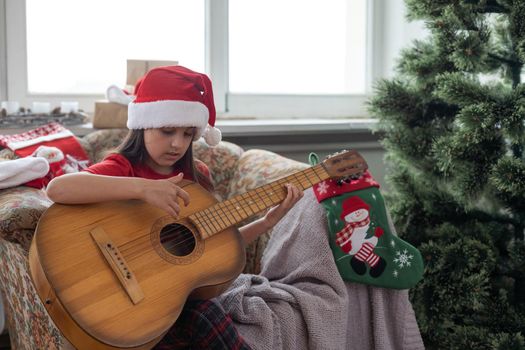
x: 249, y: 126
x: 272, y: 126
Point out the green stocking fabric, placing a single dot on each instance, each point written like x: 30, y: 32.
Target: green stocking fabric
x: 362, y: 238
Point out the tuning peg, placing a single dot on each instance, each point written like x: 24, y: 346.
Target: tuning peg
x: 343, y: 180
x: 348, y: 179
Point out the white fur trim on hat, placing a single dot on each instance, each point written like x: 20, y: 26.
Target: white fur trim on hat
x: 168, y: 113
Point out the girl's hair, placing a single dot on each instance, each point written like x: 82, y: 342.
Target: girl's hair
x: 134, y: 149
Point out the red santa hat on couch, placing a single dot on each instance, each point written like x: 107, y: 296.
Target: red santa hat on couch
x: 175, y: 96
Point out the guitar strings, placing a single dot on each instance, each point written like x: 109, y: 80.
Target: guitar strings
x: 263, y: 195
x: 260, y: 192
x: 296, y: 178
x: 229, y: 206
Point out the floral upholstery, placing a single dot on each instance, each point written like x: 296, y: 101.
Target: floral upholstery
x: 233, y: 172
x: 222, y: 162
x: 6, y: 154
x: 27, y: 320
x: 20, y: 210
x: 98, y: 144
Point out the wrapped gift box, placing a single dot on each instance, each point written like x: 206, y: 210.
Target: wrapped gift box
x: 110, y: 115
x: 113, y: 115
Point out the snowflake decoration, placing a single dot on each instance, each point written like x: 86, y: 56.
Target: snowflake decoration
x: 402, y: 259
x: 336, y: 221
x: 393, y: 243
x: 395, y: 274
x: 322, y: 187
x: 374, y: 196
x: 334, y: 202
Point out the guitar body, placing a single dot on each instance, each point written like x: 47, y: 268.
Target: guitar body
x: 116, y: 275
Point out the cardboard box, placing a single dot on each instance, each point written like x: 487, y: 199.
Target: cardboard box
x: 109, y: 115
x: 137, y: 68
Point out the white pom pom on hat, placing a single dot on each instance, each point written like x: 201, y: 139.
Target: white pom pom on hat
x: 175, y: 96
x: 212, y: 135
x: 118, y: 95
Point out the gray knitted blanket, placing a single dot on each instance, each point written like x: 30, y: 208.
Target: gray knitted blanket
x: 299, y: 300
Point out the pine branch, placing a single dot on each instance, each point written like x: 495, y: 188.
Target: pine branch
x: 515, y: 68
x: 508, y: 61
x: 494, y: 7
x: 501, y: 219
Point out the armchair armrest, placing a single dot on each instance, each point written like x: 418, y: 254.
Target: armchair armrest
x: 256, y: 168
x: 20, y: 209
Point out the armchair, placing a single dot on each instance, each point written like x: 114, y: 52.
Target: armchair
x: 233, y: 171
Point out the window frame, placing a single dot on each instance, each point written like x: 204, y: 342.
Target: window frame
x: 13, y: 74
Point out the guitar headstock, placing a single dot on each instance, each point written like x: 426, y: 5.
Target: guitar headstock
x: 345, y: 164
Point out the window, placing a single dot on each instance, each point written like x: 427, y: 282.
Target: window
x: 297, y: 46
x: 272, y: 58
x: 82, y: 46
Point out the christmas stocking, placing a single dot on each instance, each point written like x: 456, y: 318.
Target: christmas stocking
x: 362, y: 238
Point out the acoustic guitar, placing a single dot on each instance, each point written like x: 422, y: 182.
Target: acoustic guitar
x: 116, y: 275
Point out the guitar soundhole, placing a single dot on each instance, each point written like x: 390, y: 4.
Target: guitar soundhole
x: 177, y: 239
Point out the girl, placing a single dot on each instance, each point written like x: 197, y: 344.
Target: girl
x: 173, y: 107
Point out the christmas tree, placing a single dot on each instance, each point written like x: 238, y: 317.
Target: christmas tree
x: 453, y: 124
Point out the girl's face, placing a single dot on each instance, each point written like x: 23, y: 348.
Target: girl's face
x: 165, y: 146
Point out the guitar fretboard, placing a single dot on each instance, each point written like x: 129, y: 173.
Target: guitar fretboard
x: 241, y: 207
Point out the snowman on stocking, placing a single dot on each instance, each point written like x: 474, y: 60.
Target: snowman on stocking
x: 352, y: 238
x: 363, y: 239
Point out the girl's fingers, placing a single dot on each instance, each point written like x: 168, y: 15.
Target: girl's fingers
x: 296, y: 193
x: 184, y: 196
x: 289, y: 194
x: 175, y: 208
x: 179, y: 192
x: 171, y: 212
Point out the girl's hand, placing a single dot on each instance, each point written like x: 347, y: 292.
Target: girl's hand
x: 165, y: 194
x: 275, y: 214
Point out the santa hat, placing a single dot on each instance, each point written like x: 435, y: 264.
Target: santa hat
x: 19, y: 171
x: 352, y: 204
x: 175, y: 96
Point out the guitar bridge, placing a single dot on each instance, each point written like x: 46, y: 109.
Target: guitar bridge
x: 117, y: 263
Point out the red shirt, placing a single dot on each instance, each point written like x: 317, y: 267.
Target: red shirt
x: 117, y: 165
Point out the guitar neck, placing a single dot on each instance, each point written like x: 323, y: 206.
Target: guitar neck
x: 241, y: 207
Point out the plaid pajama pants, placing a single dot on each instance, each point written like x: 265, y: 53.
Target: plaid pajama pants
x: 202, y: 324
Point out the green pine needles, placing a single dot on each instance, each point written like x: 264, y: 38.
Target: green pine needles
x: 454, y: 129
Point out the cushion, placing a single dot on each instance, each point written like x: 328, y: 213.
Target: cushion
x: 222, y: 161
x: 98, y: 143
